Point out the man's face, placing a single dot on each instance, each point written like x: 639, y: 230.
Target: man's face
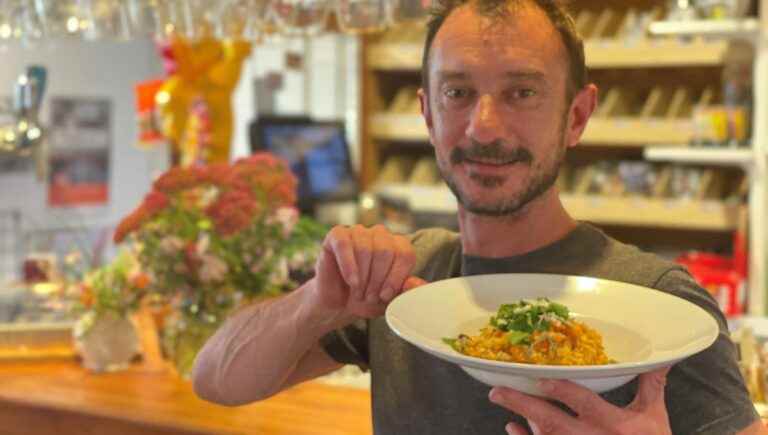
x: 496, y: 107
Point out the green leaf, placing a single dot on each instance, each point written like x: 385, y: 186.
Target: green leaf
x: 453, y: 342
x: 559, y: 309
x: 517, y: 337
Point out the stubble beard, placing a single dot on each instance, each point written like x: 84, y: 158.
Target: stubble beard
x: 543, y: 178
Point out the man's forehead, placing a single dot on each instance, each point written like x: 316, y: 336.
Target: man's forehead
x: 523, y: 31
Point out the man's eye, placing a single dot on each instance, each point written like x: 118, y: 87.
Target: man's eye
x: 524, y: 93
x: 456, y: 93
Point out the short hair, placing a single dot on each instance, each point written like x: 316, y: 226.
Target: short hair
x: 555, y: 10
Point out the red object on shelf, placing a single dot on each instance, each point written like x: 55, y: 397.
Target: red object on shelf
x: 149, y: 129
x: 724, y: 277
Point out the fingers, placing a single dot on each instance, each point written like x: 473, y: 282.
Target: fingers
x: 412, y: 282
x: 548, y: 418
x: 373, y: 263
x: 363, y: 249
x: 584, y: 402
x: 650, y: 390
x: 401, y: 269
x: 339, y: 243
x: 385, y: 252
x: 515, y: 429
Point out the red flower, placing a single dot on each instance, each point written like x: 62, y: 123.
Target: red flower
x: 178, y: 178
x: 218, y: 174
x: 233, y: 211
x: 155, y: 202
x: 266, y: 175
x: 129, y: 224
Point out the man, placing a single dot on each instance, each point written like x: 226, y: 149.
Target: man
x: 504, y: 95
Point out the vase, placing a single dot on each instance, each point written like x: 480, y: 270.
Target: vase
x: 106, y: 342
x: 183, y: 337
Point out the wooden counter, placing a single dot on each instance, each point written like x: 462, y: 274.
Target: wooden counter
x: 60, y: 398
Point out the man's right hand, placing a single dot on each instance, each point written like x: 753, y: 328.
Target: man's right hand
x: 360, y: 270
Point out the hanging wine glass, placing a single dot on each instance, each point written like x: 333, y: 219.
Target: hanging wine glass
x: 63, y: 18
x: 9, y: 25
x: 362, y: 16
x: 203, y: 18
x: 259, y: 18
x: 19, y: 21
x: 402, y: 11
x: 30, y: 23
x: 144, y: 17
x: 233, y: 19
x: 108, y: 19
x: 172, y: 17
x: 300, y: 17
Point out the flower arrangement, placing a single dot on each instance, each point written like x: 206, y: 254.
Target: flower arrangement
x: 211, y: 235
x: 115, y: 288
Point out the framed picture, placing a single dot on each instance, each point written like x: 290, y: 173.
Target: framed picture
x: 80, y: 137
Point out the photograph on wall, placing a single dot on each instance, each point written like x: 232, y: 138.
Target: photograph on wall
x: 10, y: 161
x: 80, y: 136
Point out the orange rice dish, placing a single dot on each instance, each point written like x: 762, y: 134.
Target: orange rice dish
x: 533, y: 332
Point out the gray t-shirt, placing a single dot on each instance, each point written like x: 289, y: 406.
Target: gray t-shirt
x: 414, y: 393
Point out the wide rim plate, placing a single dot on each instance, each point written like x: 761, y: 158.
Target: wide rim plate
x: 427, y: 314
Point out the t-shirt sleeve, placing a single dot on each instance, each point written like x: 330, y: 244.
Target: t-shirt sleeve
x: 348, y: 345
x: 706, y: 393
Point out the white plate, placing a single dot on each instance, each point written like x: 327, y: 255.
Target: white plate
x: 643, y: 329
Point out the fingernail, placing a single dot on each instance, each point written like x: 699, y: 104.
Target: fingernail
x: 494, y: 395
x: 546, y: 386
x: 510, y: 428
x: 372, y: 298
x: 387, y: 294
x: 354, y: 281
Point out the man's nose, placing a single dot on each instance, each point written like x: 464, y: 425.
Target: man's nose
x: 486, y: 124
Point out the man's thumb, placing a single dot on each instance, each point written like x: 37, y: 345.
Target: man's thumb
x: 651, y: 387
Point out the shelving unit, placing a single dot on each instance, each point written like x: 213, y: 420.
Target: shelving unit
x: 662, y: 135
x: 705, y: 215
x: 753, y: 30
x: 599, y: 54
x: 625, y: 131
x: 740, y: 157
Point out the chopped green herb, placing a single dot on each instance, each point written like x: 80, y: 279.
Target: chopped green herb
x: 453, y: 342
x: 518, y: 337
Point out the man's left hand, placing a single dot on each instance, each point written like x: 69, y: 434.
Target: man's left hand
x: 646, y: 415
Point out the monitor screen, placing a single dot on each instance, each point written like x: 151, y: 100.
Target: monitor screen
x: 317, y: 153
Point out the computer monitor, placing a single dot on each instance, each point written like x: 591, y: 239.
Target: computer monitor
x: 317, y: 152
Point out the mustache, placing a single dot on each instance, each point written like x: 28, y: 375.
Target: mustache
x: 493, y: 151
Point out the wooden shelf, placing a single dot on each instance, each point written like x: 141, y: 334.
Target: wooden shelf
x: 729, y: 29
x: 708, y: 215
x: 654, y: 54
x: 705, y: 156
x: 637, y: 132
x: 600, y: 131
x: 599, y: 54
x: 397, y: 127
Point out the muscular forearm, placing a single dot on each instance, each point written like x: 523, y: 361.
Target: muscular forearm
x: 257, y: 350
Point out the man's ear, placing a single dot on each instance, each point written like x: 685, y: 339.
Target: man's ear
x: 583, y: 105
x: 426, y: 112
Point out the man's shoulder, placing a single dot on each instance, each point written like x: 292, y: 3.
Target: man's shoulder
x: 628, y: 263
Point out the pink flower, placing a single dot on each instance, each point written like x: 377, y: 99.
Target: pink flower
x: 213, y: 269
x: 287, y: 217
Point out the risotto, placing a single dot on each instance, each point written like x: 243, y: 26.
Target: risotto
x: 534, y: 332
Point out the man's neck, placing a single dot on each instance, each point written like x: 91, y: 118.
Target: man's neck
x: 540, y: 223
